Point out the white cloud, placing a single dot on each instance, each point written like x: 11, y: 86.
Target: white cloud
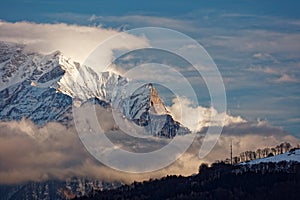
x: 76, y: 42
x: 285, y: 78
x: 196, y: 118
x: 265, y: 57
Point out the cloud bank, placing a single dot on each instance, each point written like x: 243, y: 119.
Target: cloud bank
x: 76, y: 42
x: 31, y: 153
x: 197, y: 118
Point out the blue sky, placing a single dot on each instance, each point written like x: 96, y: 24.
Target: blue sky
x: 254, y: 43
x: 31, y: 9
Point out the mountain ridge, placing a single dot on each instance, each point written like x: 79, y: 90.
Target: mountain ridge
x: 43, y: 88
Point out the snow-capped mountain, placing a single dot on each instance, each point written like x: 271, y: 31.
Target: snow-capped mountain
x: 19, y: 97
x: 43, y: 87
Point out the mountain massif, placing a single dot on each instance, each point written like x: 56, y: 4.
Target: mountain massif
x: 44, y: 87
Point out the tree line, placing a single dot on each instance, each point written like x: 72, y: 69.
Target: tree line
x: 261, y: 153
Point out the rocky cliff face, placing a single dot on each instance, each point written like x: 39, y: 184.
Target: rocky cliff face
x: 43, y: 87
x: 156, y: 103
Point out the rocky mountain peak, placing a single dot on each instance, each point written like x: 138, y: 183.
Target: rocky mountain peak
x: 156, y: 104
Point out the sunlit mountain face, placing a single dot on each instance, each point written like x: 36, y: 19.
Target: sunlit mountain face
x: 90, y: 100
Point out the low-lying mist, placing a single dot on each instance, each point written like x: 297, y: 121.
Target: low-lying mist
x: 32, y: 153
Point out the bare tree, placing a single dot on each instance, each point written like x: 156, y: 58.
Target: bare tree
x: 259, y: 153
